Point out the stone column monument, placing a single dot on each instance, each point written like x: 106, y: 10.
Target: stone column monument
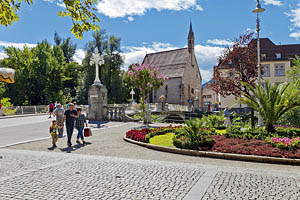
x: 97, y: 92
x: 196, y: 101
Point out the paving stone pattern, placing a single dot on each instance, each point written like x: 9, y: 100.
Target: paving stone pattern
x: 12, y: 162
x: 102, y: 179
x: 233, y: 185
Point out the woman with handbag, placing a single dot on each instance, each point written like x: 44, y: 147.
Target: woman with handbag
x: 79, y: 125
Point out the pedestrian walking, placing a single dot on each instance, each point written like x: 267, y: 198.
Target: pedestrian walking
x: 69, y: 117
x: 79, y: 124
x: 59, y: 113
x: 51, y: 109
x: 53, y: 133
x: 227, y: 116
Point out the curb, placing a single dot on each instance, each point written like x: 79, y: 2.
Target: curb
x: 210, y: 154
x: 17, y: 116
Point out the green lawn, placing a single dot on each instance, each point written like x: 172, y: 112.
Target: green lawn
x: 165, y: 140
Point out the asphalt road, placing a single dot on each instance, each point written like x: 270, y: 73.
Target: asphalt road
x: 16, y: 130
x: 24, y: 129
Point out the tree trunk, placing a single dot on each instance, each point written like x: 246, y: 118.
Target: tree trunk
x: 270, y: 128
x: 252, y: 118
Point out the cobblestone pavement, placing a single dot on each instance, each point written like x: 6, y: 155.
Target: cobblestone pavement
x: 86, y: 177
x: 234, y: 185
x: 109, y: 168
x: 48, y: 175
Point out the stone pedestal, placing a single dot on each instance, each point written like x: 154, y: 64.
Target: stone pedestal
x: 196, y: 105
x: 97, y: 99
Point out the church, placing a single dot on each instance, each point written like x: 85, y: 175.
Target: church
x: 184, y: 77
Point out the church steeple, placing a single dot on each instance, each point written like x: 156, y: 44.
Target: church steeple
x: 191, y: 38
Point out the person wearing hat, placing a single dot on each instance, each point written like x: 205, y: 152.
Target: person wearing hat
x: 69, y: 117
x: 59, y: 113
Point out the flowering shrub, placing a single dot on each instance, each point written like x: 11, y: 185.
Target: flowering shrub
x: 252, y: 147
x: 144, y: 135
x: 137, y: 135
x: 284, y: 143
x: 145, y: 78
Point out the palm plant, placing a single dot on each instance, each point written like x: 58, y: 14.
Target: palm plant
x: 192, y: 130
x: 272, y: 101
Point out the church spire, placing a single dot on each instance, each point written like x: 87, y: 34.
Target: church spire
x: 191, y: 38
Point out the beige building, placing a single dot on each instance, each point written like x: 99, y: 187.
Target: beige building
x: 181, y: 67
x: 209, y: 97
x: 276, y: 60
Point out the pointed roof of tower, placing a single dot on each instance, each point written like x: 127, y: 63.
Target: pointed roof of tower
x: 191, y: 32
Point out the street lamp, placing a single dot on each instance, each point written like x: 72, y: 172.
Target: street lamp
x: 97, y: 60
x: 258, y: 10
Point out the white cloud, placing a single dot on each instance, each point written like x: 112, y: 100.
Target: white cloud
x: 206, y: 75
x: 206, y: 55
x: 79, y: 56
x: 130, y: 18
x: 273, y: 2
x: 295, y: 19
x: 220, y: 42
x: 121, y: 8
x: 17, y: 45
x: 3, y: 55
x: 295, y: 35
x: 61, y: 4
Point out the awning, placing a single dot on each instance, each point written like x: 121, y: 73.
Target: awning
x: 7, y: 75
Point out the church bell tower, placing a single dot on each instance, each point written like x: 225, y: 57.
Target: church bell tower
x: 191, y: 39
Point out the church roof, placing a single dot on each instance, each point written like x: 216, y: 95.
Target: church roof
x: 171, y: 63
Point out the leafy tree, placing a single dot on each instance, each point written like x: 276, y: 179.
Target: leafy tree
x: 67, y: 47
x: 38, y: 73
x: 81, y: 13
x: 294, y: 72
x: 109, y: 72
x: 272, y: 101
x: 241, y: 61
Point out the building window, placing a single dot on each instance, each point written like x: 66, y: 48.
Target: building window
x: 264, y: 56
x: 278, y: 55
x: 266, y: 70
x: 209, y: 96
x: 197, y: 76
x: 166, y: 92
x: 192, y: 90
x: 279, y: 70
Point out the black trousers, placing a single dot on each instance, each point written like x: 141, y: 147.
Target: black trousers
x: 70, y: 129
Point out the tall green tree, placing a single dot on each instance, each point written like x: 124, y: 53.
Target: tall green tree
x: 110, y: 72
x: 272, y: 101
x: 38, y: 73
x: 81, y: 12
x: 67, y: 47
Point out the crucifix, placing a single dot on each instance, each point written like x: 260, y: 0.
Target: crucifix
x: 97, y: 60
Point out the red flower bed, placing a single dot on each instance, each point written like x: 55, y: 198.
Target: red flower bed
x: 138, y: 135
x: 251, y: 147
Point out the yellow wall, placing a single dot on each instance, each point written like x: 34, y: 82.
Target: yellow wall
x: 276, y: 79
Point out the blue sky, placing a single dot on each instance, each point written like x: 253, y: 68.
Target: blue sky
x: 157, y: 25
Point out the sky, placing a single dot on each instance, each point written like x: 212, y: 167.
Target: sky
x: 147, y: 26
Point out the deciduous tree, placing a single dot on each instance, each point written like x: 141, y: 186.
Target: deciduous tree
x: 81, y: 12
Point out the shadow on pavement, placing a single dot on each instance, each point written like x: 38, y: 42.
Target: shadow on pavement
x: 74, y: 147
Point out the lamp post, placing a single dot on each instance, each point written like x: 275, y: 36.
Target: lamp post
x: 97, y: 60
x: 258, y: 10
